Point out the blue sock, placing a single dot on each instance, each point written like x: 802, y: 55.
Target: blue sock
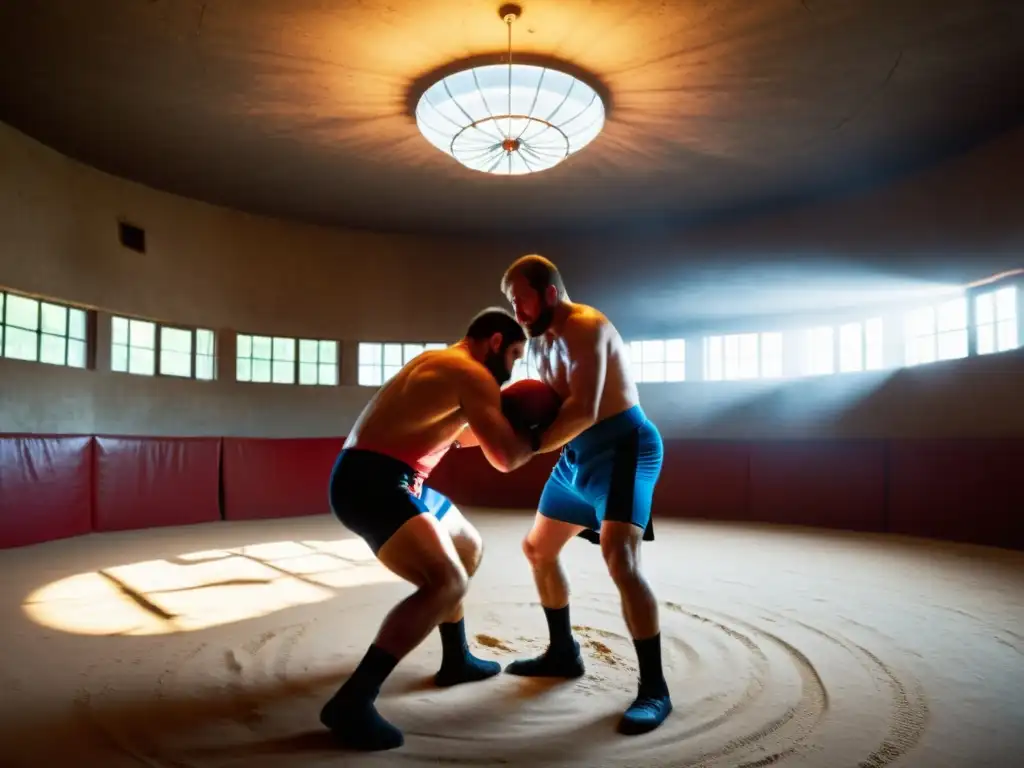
x: 458, y: 665
x: 351, y: 715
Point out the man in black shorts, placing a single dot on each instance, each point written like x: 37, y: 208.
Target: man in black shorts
x: 439, y: 399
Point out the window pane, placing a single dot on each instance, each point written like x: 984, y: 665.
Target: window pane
x: 873, y: 351
x: 243, y: 369
x: 76, y: 353
x: 243, y: 345
x: 636, y: 352
x: 920, y: 322
x: 921, y: 350
x: 260, y: 370
x: 713, y: 367
x: 1007, y: 336
x: 22, y: 312
x: 204, y: 367
x: 392, y: 354
x: 952, y: 315
x: 119, y: 330
x: 284, y: 372
x: 284, y: 350
x: 119, y: 358
x: 175, y: 340
x: 261, y: 348
x: 952, y: 345
x: 652, y: 372
x: 329, y: 374
x: 409, y: 351
x: 675, y: 371
x: 308, y: 350
x: 329, y: 352
x: 54, y: 319
x: 653, y: 351
x: 53, y: 349
x: 675, y: 350
x: 771, y: 355
x: 985, y: 309
x: 307, y: 372
x: 141, y: 361
x: 76, y: 324
x: 369, y: 375
x: 1006, y: 303
x: 432, y: 345
x: 851, y: 348
x: 204, y: 342
x: 731, y: 355
x: 369, y: 354
x: 174, y: 363
x: 142, y: 334
x: 820, y: 351
x: 20, y: 344
x: 986, y: 339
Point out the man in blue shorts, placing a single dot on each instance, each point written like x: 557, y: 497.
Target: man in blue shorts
x: 603, y: 484
x: 440, y: 399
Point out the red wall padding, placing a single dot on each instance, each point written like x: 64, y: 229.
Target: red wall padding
x: 277, y: 478
x: 961, y: 490
x: 147, y: 482
x: 45, y: 488
x: 833, y: 484
x: 703, y: 478
x: 466, y: 477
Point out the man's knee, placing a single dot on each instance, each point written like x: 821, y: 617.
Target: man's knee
x: 471, y: 551
x: 620, y: 547
x: 448, y: 580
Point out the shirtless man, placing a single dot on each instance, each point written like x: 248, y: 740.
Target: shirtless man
x: 439, y: 399
x: 602, y: 484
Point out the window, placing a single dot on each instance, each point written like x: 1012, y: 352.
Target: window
x: 860, y: 346
x: 743, y: 356
x: 41, y: 331
x: 524, y: 368
x: 283, y: 360
x: 995, y: 320
x: 819, y: 351
x: 378, y: 362
x: 145, y: 348
x: 936, y: 332
x: 658, y: 360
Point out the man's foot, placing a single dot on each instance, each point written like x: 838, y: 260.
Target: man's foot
x: 468, y: 669
x: 567, y: 663
x: 358, y: 725
x: 647, y: 712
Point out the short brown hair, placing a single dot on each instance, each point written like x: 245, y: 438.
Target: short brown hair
x: 538, y: 272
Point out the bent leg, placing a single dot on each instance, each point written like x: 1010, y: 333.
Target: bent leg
x: 423, y: 554
x: 542, y: 546
x: 458, y: 664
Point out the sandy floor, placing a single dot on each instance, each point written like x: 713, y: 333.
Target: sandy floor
x: 216, y: 645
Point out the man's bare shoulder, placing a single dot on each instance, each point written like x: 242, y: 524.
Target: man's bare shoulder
x: 585, y: 323
x: 454, y: 367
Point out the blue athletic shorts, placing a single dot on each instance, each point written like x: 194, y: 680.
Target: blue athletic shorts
x: 607, y: 472
x: 373, y: 495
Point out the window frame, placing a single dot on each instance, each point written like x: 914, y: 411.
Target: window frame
x: 88, y: 332
x: 296, y: 360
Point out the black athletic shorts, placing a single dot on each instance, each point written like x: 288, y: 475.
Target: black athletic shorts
x: 373, y: 495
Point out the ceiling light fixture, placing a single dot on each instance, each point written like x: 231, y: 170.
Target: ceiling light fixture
x: 510, y: 119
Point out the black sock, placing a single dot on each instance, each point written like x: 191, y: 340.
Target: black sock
x: 559, y: 628
x: 371, y: 673
x: 648, y: 655
x: 453, y: 640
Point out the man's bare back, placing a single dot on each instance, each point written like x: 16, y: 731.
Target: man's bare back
x: 417, y: 415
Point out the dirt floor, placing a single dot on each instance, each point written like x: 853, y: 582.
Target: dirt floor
x: 216, y: 645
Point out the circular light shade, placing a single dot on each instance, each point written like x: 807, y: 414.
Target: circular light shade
x: 477, y: 118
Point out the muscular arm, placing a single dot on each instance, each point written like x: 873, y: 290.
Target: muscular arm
x: 588, y: 366
x: 480, y: 397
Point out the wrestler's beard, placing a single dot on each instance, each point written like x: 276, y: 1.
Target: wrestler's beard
x: 495, y: 363
x: 542, y: 323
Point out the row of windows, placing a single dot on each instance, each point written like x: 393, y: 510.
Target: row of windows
x: 46, y: 332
